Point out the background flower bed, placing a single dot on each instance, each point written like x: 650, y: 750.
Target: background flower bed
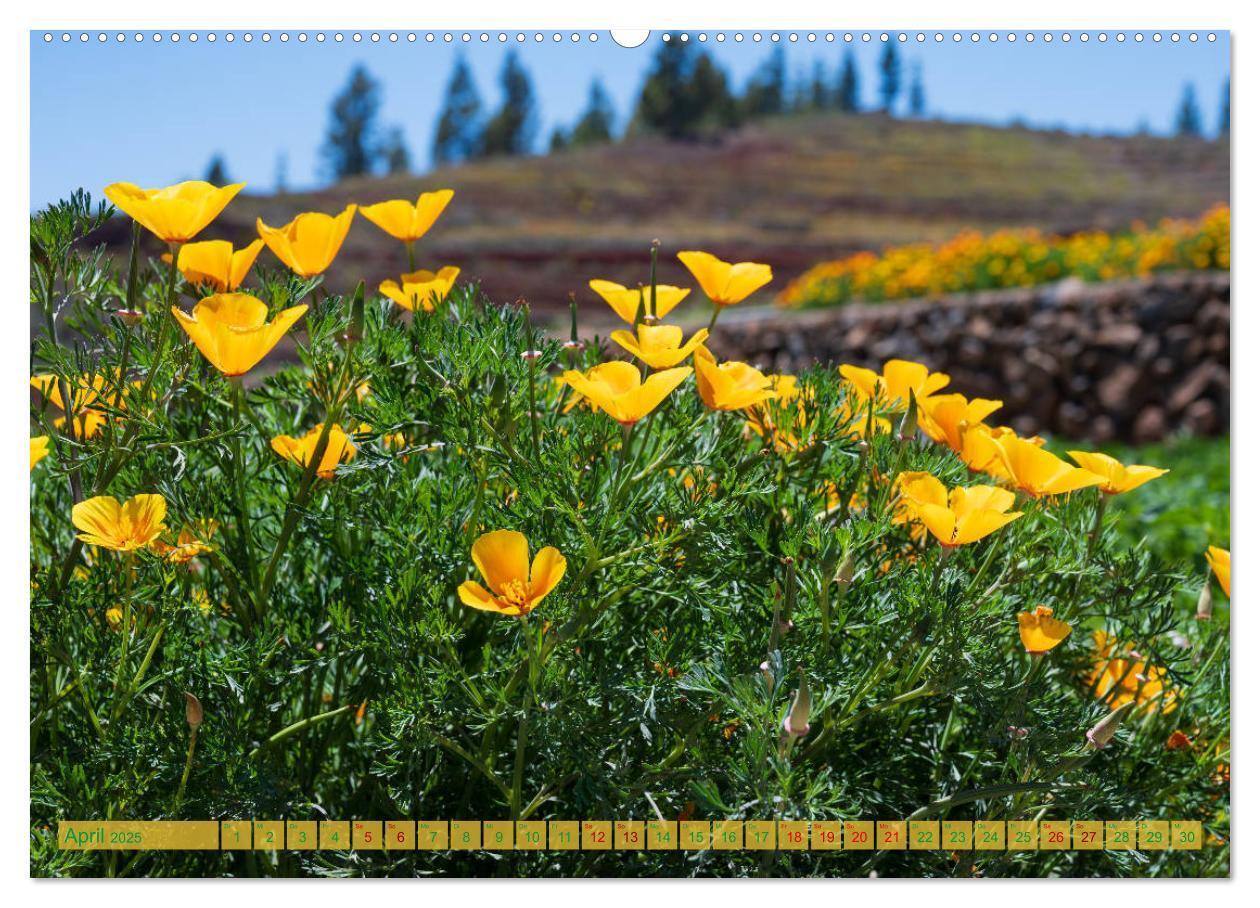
x: 367, y: 690
x: 1015, y: 258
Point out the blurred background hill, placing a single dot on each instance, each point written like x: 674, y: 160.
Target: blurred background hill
x: 788, y: 190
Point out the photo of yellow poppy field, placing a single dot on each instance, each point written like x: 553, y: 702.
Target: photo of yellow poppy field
x: 766, y: 446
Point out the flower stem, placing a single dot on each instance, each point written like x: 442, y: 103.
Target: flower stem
x: 188, y: 760
x: 242, y: 502
x: 299, y: 726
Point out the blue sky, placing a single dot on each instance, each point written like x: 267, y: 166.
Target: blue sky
x: 155, y: 113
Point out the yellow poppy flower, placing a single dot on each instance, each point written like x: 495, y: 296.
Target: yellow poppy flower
x: 192, y: 541
x: 660, y: 346
x: 729, y: 386
x: 1119, y: 681
x: 958, y: 516
x: 39, y: 449
x: 783, y: 420
x: 406, y: 221
x: 92, y: 393
x: 895, y: 384
x: 175, y: 214
x: 1117, y: 477
x: 978, y: 450
x: 726, y: 283
x: 945, y: 418
x: 231, y: 330
x: 308, y: 243
x: 625, y: 300
x: 214, y: 262
x: 423, y: 289
x: 856, y: 424
x: 340, y: 449
x: 120, y: 526
x: 1040, y: 631
x: 89, y: 390
x: 618, y: 389
x: 1218, y: 559
x: 516, y: 586
x: 1039, y: 473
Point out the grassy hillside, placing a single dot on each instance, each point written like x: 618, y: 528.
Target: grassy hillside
x: 789, y: 191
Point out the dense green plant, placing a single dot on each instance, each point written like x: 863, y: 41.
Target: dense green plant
x: 707, y: 580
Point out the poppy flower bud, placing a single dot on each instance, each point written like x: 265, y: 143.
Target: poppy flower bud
x: 193, y: 711
x: 1102, y: 733
x: 130, y: 317
x: 1017, y: 733
x: 910, y: 420
x: 354, y: 330
x: 844, y: 574
x: 531, y: 355
x: 1204, y: 610
x: 574, y: 346
x: 796, y: 722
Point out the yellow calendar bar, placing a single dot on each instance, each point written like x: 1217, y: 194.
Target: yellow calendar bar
x: 366, y: 836
x: 129, y: 835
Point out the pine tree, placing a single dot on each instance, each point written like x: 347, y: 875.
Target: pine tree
x: 282, y: 173
x: 710, y: 96
x: 819, y: 97
x: 1223, y: 129
x: 685, y: 94
x: 1188, y: 121
x: 216, y: 171
x: 511, y: 130
x: 350, y: 150
x: 559, y: 140
x: 397, y: 158
x: 889, y: 77
x: 595, y: 125
x: 847, y: 90
x: 665, y: 102
x: 918, y: 101
x: 767, y: 90
x: 458, y: 135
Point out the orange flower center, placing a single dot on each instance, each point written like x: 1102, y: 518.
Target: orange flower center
x: 514, y: 592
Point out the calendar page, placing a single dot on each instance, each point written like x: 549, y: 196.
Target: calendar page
x: 584, y: 453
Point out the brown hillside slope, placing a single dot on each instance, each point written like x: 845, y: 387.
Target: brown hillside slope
x: 788, y: 191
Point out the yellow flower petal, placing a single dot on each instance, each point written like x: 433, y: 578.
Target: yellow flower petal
x: 39, y: 449
x: 232, y: 332
x: 309, y: 243
x: 1218, y: 559
x: 122, y: 527
x: 724, y: 283
x: 1040, y: 631
x: 502, y: 556
x: 546, y: 571
x: 660, y: 346
x: 176, y: 213
x: 1116, y: 476
x: 731, y: 385
x: 421, y: 289
x: 626, y: 301
x: 1039, y: 473
x: 406, y: 221
x: 618, y: 389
